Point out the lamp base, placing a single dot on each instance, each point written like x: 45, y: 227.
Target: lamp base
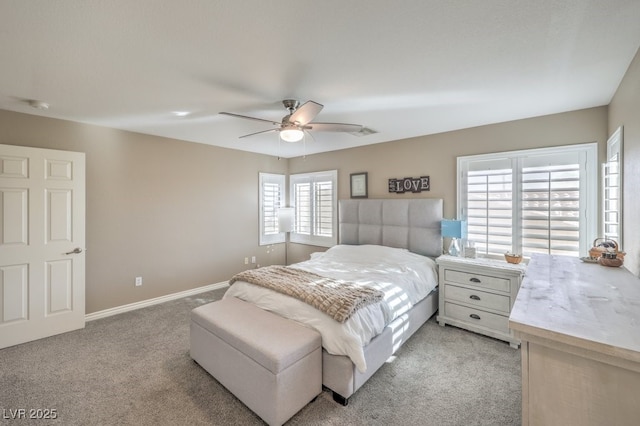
x: 454, y: 247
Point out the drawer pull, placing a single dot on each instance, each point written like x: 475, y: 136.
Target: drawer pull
x: 474, y: 297
x: 475, y: 316
x: 474, y: 280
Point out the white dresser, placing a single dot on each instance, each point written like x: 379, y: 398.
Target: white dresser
x: 477, y: 295
x: 580, y: 329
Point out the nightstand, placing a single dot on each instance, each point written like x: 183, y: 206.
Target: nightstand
x: 478, y: 294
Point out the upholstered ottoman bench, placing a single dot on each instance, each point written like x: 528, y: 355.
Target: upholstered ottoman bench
x: 272, y: 364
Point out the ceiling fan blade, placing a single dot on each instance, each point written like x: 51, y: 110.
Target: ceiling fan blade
x: 306, y: 113
x: 334, y: 127
x: 249, y: 118
x: 257, y: 133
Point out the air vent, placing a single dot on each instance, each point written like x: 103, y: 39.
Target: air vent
x: 365, y: 131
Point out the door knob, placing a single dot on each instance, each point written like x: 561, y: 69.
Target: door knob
x: 75, y: 251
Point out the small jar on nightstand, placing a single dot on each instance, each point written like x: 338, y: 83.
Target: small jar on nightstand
x: 469, y: 250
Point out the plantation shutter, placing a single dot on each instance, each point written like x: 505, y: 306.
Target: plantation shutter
x: 533, y: 201
x: 612, y: 189
x: 490, y: 206
x: 270, y: 205
x: 323, y: 220
x: 271, y: 199
x: 551, y: 208
x: 612, y: 196
x: 314, y: 197
x: 302, y: 203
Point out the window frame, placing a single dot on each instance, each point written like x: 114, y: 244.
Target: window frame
x: 312, y: 178
x: 588, y: 155
x: 280, y: 180
x: 612, y: 188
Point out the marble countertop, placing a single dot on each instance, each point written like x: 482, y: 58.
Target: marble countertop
x: 581, y: 304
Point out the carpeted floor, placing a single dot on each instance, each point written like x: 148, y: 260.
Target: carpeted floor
x: 135, y: 369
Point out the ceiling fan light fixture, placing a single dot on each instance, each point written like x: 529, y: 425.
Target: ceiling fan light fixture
x: 291, y: 134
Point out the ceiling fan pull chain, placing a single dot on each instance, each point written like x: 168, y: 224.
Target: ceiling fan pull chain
x: 304, y: 145
x: 279, y: 142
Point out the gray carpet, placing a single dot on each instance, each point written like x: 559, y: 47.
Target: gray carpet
x: 135, y: 369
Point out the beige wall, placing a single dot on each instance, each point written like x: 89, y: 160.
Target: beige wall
x: 435, y: 155
x: 624, y: 110
x: 184, y: 215
x: 181, y: 215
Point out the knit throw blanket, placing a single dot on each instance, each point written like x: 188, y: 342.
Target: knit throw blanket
x: 338, y: 299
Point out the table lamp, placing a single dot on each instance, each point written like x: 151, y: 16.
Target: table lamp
x: 456, y: 230
x: 285, y: 224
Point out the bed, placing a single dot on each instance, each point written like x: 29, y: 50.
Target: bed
x: 391, y: 244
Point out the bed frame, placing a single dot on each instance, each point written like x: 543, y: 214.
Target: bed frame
x: 413, y: 224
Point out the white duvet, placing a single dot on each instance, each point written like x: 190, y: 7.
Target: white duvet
x: 404, y: 277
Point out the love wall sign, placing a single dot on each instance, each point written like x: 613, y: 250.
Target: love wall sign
x: 409, y: 184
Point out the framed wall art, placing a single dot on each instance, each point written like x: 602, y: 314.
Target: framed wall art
x: 359, y: 185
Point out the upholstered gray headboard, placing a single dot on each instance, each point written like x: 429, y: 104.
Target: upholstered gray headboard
x: 413, y: 224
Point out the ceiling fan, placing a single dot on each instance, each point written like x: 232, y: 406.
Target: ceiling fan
x: 299, y: 120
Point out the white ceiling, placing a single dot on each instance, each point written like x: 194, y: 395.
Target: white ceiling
x: 403, y: 68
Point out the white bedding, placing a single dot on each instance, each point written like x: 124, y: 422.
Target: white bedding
x: 404, y: 277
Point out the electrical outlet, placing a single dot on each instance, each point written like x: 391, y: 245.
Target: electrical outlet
x: 246, y: 260
x: 138, y: 281
x: 253, y: 259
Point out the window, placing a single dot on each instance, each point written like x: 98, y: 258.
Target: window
x: 612, y: 189
x: 314, y: 196
x: 271, y: 199
x: 533, y: 201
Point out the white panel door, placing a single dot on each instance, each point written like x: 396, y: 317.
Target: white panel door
x: 42, y: 240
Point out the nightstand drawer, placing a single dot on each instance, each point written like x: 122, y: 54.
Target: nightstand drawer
x: 477, y: 298
x: 477, y: 317
x: 467, y: 278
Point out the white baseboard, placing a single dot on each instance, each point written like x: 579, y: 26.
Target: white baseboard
x: 155, y: 301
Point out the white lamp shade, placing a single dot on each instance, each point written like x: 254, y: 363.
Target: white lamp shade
x: 285, y: 219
